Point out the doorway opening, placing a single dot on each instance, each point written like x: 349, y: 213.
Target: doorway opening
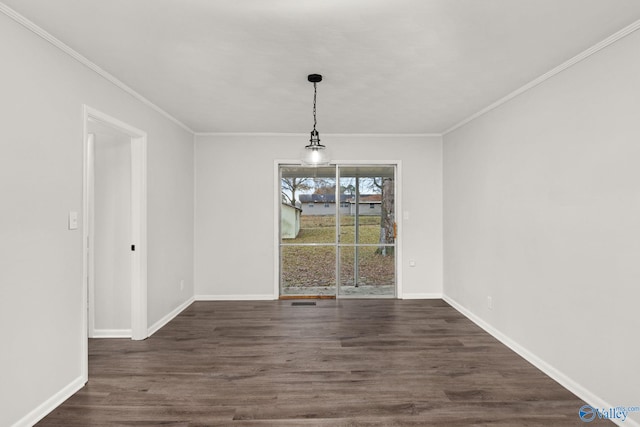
x: 109, y: 281
x: 338, y: 232
x: 114, y: 230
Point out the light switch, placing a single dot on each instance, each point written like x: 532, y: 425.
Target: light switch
x: 73, y: 220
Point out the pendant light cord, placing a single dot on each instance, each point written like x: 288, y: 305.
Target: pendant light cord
x: 315, y: 94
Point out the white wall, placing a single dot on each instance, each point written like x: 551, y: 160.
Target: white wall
x: 43, y: 91
x: 112, y: 234
x: 542, y: 212
x: 238, y: 262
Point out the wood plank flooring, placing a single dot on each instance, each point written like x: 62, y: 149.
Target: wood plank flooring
x: 339, y: 363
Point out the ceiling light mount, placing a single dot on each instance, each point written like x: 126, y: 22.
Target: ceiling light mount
x: 314, y: 78
x: 315, y: 153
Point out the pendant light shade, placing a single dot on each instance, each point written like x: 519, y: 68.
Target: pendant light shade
x: 315, y: 154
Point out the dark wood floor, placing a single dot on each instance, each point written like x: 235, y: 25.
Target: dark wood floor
x: 340, y: 363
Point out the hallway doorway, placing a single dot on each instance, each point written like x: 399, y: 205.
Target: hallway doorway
x: 110, y: 228
x: 114, y: 230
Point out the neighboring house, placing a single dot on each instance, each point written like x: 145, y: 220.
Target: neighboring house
x: 289, y: 221
x: 370, y: 204
x: 325, y: 204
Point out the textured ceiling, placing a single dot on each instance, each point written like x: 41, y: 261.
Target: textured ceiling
x: 401, y: 66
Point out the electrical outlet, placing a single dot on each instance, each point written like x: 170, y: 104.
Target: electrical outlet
x: 490, y: 303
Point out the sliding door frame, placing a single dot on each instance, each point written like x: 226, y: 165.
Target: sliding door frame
x: 337, y: 163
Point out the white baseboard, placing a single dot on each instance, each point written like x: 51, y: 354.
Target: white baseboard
x: 422, y: 296
x: 169, y: 317
x: 50, y: 404
x: 111, y: 333
x: 266, y: 297
x: 536, y: 361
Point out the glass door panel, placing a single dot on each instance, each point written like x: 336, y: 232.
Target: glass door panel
x: 308, y: 231
x: 367, y: 231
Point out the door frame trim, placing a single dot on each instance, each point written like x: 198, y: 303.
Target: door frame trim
x: 138, y: 226
x: 276, y: 214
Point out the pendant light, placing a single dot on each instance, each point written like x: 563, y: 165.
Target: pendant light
x: 315, y: 154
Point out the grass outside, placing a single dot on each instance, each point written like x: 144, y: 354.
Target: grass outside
x: 311, y: 266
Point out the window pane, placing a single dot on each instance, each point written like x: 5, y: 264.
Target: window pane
x: 375, y: 268
x: 308, y: 207
x: 308, y: 270
x: 367, y: 209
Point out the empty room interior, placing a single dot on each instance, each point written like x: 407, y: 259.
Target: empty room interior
x: 295, y: 212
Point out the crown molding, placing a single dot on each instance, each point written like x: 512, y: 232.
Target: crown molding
x: 386, y: 135
x: 306, y: 135
x: 567, y: 64
x: 86, y: 62
x: 275, y: 134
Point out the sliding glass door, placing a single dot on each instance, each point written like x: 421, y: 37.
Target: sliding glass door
x: 337, y: 231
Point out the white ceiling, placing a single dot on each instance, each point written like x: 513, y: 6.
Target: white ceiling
x: 389, y: 66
